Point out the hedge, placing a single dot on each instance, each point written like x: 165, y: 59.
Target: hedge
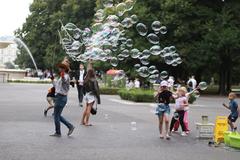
x: 137, y: 95
x: 29, y: 81
x: 211, y: 90
x: 140, y: 95
x: 109, y: 91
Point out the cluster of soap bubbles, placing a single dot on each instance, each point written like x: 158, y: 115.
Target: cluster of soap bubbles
x: 106, y: 40
x: 196, y: 92
x: 169, y: 54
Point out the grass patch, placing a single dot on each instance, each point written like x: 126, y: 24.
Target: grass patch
x: 29, y: 81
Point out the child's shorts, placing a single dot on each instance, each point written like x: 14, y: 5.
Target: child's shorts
x: 162, y: 109
x: 232, y: 118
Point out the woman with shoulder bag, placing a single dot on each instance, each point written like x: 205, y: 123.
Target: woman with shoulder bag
x: 92, y: 95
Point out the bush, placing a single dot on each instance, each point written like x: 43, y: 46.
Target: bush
x: 211, y: 90
x: 192, y: 99
x: 140, y: 95
x: 109, y: 91
x: 137, y: 95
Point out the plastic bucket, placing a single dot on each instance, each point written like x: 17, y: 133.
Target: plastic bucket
x: 227, y: 138
x: 234, y: 140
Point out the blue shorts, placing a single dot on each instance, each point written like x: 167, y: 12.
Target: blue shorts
x: 232, y: 118
x: 162, y: 109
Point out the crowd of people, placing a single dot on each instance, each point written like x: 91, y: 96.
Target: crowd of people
x: 133, y: 83
x: 164, y: 95
x: 88, y: 92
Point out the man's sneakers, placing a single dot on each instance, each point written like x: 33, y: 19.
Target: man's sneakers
x: 55, y: 135
x: 71, y: 130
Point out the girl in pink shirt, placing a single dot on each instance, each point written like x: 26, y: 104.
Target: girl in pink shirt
x: 181, y: 104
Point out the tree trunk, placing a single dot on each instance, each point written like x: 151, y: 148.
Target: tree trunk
x: 229, y: 71
x: 229, y: 80
x: 222, y: 82
x: 198, y: 75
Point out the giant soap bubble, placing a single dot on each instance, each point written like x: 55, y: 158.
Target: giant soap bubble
x: 202, y: 86
x: 142, y: 29
x: 156, y: 25
x: 107, y: 40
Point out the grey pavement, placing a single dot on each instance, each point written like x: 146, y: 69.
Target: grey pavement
x: 24, y: 131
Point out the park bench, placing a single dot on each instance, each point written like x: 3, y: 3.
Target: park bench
x: 236, y: 91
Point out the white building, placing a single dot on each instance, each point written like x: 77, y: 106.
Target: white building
x: 8, y: 54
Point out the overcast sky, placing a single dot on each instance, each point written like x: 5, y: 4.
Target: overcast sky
x: 12, y: 15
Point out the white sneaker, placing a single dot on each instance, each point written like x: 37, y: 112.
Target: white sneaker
x: 173, y: 131
x: 184, y: 134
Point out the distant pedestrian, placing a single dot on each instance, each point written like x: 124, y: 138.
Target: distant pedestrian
x: 40, y: 74
x: 159, y: 80
x: 136, y: 83
x: 91, y: 97
x: 170, y: 82
x: 192, y: 84
x: 235, y: 111
x: 130, y: 84
x: 79, y: 77
x: 62, y: 88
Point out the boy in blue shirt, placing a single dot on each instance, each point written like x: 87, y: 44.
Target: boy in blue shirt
x: 233, y: 107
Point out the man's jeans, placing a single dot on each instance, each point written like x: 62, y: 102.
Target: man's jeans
x: 60, y: 103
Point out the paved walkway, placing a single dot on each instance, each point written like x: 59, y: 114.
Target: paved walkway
x: 24, y: 131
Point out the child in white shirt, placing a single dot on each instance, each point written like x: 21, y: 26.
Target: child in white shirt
x: 181, y: 105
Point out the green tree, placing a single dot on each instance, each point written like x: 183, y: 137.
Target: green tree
x: 204, y: 32
x: 39, y: 31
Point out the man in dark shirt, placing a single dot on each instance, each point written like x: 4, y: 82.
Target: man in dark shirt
x: 79, y: 77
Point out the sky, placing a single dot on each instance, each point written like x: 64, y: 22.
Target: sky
x: 13, y: 14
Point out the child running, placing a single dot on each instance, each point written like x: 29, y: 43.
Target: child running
x: 50, y: 97
x: 235, y: 111
x: 50, y: 100
x: 163, y: 110
x: 181, y: 104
